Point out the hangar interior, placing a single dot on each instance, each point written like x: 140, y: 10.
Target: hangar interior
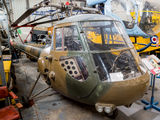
x: 69, y: 59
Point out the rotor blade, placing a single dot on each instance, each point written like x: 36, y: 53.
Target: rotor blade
x: 25, y: 15
x: 51, y: 14
x: 30, y: 11
x: 47, y: 21
x: 36, y: 20
x: 55, y: 5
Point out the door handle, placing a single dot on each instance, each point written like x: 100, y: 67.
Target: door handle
x: 55, y: 59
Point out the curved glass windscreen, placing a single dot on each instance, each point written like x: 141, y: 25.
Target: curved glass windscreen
x: 105, y: 35
x: 114, y: 56
x: 139, y: 61
x: 125, y: 35
x: 116, y: 66
x: 149, y: 16
x: 125, y: 10
x: 67, y: 39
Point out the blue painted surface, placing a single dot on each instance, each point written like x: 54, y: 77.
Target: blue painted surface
x: 140, y: 50
x: 158, y: 76
x: 151, y: 104
x: 94, y: 2
x: 151, y: 80
x: 136, y: 31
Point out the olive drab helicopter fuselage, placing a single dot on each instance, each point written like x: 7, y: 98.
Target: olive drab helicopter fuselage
x: 92, y: 60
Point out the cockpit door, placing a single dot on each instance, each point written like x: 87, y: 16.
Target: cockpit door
x: 74, y: 70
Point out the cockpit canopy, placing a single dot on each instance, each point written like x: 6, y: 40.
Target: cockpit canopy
x: 144, y: 13
x: 104, y: 39
x: 149, y: 16
x: 98, y: 29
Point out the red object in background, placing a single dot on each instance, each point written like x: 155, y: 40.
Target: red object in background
x: 13, y: 95
x: 11, y: 42
x: 157, y: 42
x: 67, y: 3
x: 31, y: 102
x: 8, y: 112
x: 4, y: 92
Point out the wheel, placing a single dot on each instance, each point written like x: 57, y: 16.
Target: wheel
x: 25, y: 101
x: 18, y: 54
x: 113, y: 114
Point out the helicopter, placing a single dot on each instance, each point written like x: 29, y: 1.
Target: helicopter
x: 106, y: 73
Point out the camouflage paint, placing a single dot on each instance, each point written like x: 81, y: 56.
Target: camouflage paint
x: 30, y: 49
x: 92, y: 90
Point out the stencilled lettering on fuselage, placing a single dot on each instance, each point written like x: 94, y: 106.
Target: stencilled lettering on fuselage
x: 33, y: 51
x: 22, y: 47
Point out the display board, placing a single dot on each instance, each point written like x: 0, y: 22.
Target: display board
x: 152, y: 63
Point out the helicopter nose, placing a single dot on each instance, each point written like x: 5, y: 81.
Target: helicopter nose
x: 125, y: 92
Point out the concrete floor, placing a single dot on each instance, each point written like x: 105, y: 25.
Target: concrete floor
x: 57, y: 107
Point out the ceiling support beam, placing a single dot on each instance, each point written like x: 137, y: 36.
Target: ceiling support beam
x: 27, y: 7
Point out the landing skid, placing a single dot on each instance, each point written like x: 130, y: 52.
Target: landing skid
x: 28, y: 100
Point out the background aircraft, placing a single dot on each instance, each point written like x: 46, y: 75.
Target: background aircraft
x: 140, y: 18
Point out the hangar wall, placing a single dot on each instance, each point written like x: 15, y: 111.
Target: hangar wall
x: 18, y: 8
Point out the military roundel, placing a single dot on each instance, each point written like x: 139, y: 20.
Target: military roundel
x: 154, y: 39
